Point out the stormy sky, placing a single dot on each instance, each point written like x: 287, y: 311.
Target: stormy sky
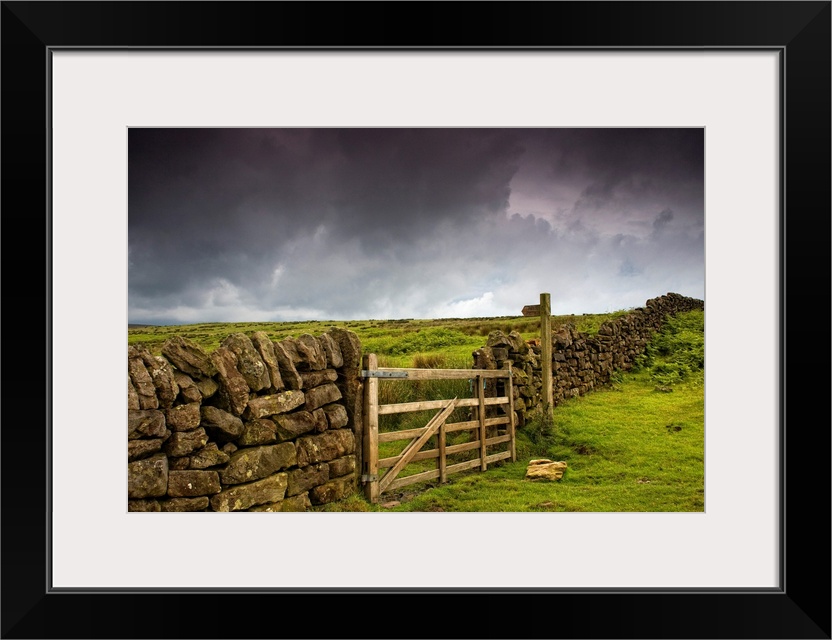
x: 232, y: 225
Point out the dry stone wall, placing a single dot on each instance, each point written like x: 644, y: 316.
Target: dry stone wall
x: 256, y: 425
x: 580, y: 362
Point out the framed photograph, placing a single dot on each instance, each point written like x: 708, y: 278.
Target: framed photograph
x: 754, y: 76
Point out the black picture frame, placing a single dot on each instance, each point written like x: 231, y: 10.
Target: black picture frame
x: 800, y: 608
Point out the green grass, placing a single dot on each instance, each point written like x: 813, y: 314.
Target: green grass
x: 634, y: 446
x: 398, y: 340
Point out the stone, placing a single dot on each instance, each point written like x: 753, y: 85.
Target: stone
x: 265, y: 406
x: 290, y: 425
x: 244, y: 496
x: 209, y: 456
x: 500, y: 353
x: 221, y: 424
x: 332, y: 351
x: 185, y: 504
x: 498, y: 339
x: 319, y: 396
x: 336, y: 415
x: 303, y: 479
x: 317, y: 378
x: 342, y: 466
x: 253, y: 463
x: 517, y: 344
x: 259, y: 431
x: 183, y: 417
x: 312, y: 355
x: 233, y: 388
x: 288, y: 371
x: 562, y: 338
x: 207, y: 387
x: 249, y: 362
x: 188, y: 391
x: 484, y: 358
x: 229, y: 448
x: 544, y: 469
x: 147, y: 478
x: 143, y: 505
x: 324, y: 447
x: 132, y: 396
x: 265, y: 347
x: 294, y: 503
x: 179, y: 464
x: 181, y: 443
x: 138, y: 449
x: 321, y: 423
x: 336, y: 489
x: 350, y: 346
x: 143, y: 423
x: 189, y: 484
x: 162, y: 375
x: 142, y: 382
x: 187, y: 356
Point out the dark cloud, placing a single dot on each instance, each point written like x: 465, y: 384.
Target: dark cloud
x: 333, y: 223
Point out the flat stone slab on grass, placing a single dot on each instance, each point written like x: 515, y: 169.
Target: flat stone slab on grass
x: 545, y: 469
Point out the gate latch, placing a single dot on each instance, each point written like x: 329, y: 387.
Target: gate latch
x: 367, y: 477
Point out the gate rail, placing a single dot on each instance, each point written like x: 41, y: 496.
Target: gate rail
x: 375, y: 485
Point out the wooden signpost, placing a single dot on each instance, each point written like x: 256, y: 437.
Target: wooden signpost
x: 544, y: 309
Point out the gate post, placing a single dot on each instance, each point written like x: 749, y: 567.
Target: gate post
x: 370, y: 475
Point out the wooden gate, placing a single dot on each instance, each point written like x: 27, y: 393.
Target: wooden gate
x: 376, y: 484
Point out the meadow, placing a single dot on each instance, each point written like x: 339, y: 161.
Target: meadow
x: 635, y: 445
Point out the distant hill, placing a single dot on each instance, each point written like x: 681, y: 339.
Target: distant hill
x: 140, y: 326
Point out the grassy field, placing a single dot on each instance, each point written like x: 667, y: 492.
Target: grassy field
x: 397, y: 342
x: 636, y: 445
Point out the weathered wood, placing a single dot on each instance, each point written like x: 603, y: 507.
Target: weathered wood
x: 426, y: 405
x: 383, y: 463
x: 414, y: 446
x: 371, y: 488
x: 511, y: 416
x: 416, y: 477
x: 454, y: 468
x: 496, y: 457
x: 443, y: 374
x: 546, y: 357
x: 481, y: 418
x: 442, y: 461
x: 475, y: 424
x: 531, y: 310
x: 409, y: 434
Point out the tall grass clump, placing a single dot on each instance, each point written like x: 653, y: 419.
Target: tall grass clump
x: 676, y: 354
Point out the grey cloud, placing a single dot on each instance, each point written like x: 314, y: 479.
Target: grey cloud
x: 338, y: 223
